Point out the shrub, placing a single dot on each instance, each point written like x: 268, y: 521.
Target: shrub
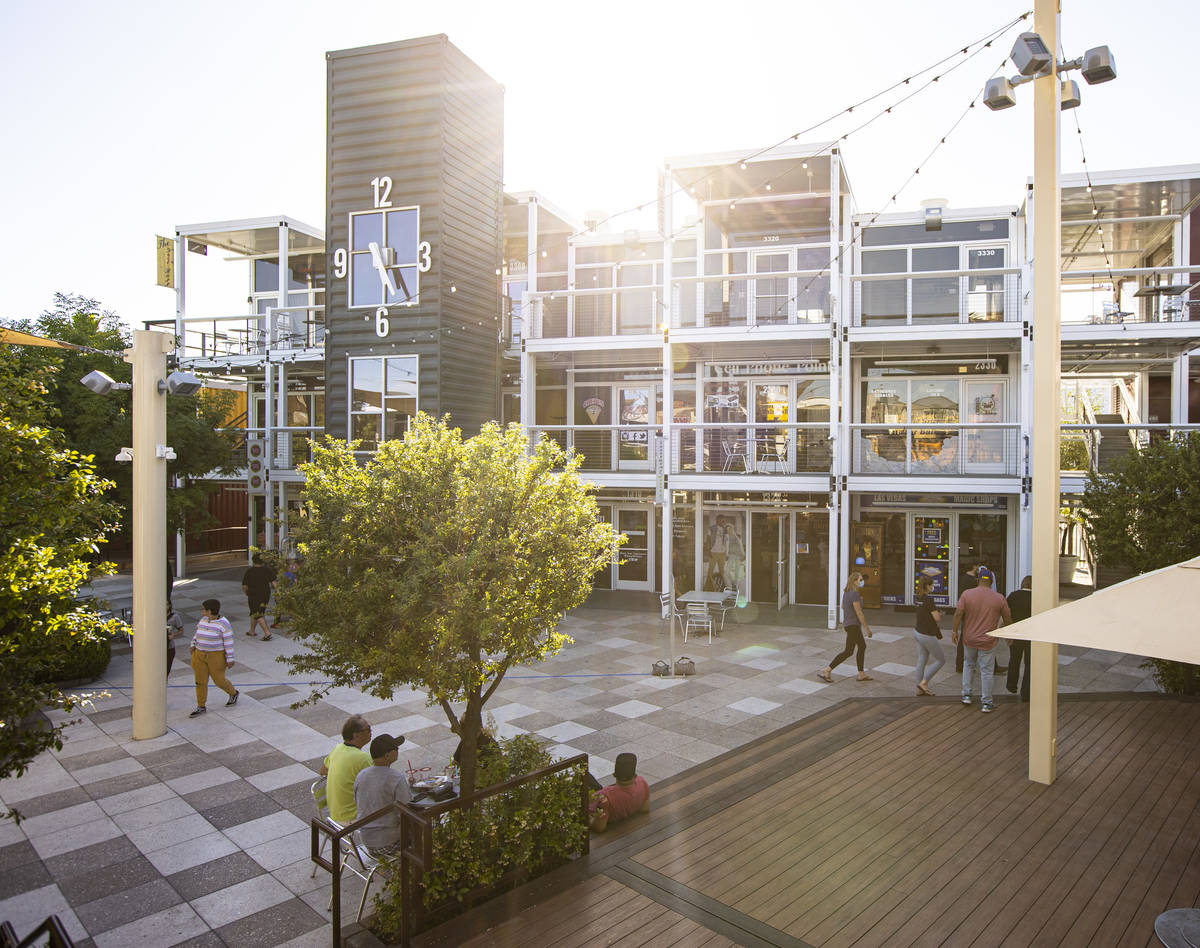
x: 1073, y: 454
x: 75, y: 660
x: 499, y: 842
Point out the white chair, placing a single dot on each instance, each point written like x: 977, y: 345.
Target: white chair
x: 668, y: 609
x: 698, y: 620
x: 735, y: 450
x: 728, y: 604
x: 318, y: 795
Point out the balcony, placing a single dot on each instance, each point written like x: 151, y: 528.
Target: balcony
x: 945, y: 450
x: 963, y: 297
x: 1095, y: 448
x: 765, y: 449
x: 247, y: 337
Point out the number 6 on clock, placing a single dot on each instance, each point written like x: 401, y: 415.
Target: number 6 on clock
x: 382, y: 326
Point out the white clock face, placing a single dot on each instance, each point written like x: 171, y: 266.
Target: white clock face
x: 386, y: 254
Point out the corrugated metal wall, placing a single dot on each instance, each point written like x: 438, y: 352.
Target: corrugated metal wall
x: 423, y: 114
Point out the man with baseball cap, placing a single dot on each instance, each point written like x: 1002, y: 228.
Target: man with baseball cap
x: 378, y: 786
x: 979, y: 611
x: 619, y: 801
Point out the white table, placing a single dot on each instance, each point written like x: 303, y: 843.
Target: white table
x: 703, y: 595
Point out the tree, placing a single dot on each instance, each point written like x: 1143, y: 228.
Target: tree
x: 440, y: 564
x: 1144, y: 514
x: 53, y: 517
x: 101, y: 426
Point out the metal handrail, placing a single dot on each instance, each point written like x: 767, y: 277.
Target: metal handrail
x: 50, y: 927
x: 416, y: 843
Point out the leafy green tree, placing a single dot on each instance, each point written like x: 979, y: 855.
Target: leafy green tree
x: 101, y: 426
x: 53, y: 518
x: 1144, y: 514
x: 440, y: 564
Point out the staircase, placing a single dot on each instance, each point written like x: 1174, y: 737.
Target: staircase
x: 1113, y: 444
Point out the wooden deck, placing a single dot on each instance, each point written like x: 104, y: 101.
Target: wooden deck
x: 894, y: 822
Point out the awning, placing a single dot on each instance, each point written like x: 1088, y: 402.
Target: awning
x: 17, y: 338
x: 1156, y: 614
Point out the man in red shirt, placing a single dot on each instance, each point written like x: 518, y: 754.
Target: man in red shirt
x: 980, y: 611
x: 619, y: 801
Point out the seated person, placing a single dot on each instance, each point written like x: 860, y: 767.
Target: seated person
x: 619, y: 801
x: 342, y: 765
x: 377, y: 786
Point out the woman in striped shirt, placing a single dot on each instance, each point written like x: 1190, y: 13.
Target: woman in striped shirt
x: 212, y: 654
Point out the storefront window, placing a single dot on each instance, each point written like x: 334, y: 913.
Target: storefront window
x: 982, y: 540
x: 725, y: 403
x: 593, y: 406
x: 725, y: 551
x: 683, y: 549
x: 931, y: 554
x: 894, y: 560
x: 934, y: 450
x: 812, y: 557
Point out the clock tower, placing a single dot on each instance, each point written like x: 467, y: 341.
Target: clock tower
x: 414, y: 178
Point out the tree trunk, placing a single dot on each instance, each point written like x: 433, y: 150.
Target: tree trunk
x: 470, y: 726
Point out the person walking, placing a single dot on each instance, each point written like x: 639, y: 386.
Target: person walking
x: 979, y: 611
x: 256, y: 584
x: 1020, y: 604
x: 928, y: 635
x: 212, y: 655
x: 854, y: 623
x: 174, y: 631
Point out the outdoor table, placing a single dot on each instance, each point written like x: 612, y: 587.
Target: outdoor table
x: 1178, y: 928
x: 703, y: 595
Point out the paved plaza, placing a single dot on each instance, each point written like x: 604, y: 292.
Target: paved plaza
x: 200, y: 837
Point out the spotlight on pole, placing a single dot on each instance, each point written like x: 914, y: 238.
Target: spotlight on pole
x: 1069, y: 95
x: 999, y: 94
x: 181, y: 383
x: 1030, y: 54
x: 101, y: 383
x: 1098, y: 65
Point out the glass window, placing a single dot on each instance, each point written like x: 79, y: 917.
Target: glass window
x: 366, y: 384
x: 396, y: 233
x: 886, y: 403
x: 884, y: 301
x: 402, y: 234
x: 812, y: 292
x: 985, y: 291
x: 935, y: 402
x: 365, y: 230
x: 935, y: 299
x: 266, y: 276
x: 368, y: 290
x: 378, y: 414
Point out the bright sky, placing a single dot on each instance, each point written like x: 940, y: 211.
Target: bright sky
x: 126, y: 118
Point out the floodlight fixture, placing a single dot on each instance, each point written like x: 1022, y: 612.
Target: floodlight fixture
x: 1069, y: 95
x: 999, y: 94
x: 1031, y: 55
x: 102, y: 383
x: 165, y: 452
x: 124, y: 456
x: 181, y: 383
x: 1098, y: 65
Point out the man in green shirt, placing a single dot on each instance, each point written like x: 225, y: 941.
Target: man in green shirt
x: 343, y: 765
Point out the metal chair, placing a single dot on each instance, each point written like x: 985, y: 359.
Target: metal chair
x: 733, y: 451
x: 318, y: 795
x: 669, y: 610
x: 368, y: 865
x: 698, y: 619
x: 728, y: 604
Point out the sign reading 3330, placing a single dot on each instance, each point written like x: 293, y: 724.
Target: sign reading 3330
x: 386, y: 256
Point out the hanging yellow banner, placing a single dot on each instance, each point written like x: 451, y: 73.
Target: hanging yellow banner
x: 166, y: 262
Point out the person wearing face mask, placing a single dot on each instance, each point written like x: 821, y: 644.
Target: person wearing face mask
x: 855, y: 623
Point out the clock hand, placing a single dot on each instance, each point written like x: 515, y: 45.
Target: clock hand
x: 385, y: 277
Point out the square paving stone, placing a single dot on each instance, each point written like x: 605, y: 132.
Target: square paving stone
x: 88, y: 886
x: 18, y: 854
x: 18, y: 879
x: 207, y: 940
x: 272, y: 926
x: 122, y: 784
x: 297, y: 798
x: 190, y: 761
x: 261, y: 694
x: 105, y: 755
x: 217, y: 874
x: 241, y: 811
x: 91, y: 858
x: 50, y: 802
x: 222, y: 794
x: 126, y: 906
x: 112, y: 714
x: 259, y: 763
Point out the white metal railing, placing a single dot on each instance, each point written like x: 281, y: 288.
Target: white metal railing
x: 215, y: 337
x: 941, y: 296
x: 951, y: 450
x: 1088, y: 296
x: 288, y: 446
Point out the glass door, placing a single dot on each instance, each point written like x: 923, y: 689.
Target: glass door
x: 633, y: 572
x: 812, y: 557
x: 633, y: 437
x: 772, y: 446
x: 984, y: 405
x: 768, y: 558
x: 771, y: 298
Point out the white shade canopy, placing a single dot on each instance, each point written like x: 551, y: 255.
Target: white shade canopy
x: 1156, y: 615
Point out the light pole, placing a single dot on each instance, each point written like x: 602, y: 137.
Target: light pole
x: 1033, y: 55
x: 150, y: 454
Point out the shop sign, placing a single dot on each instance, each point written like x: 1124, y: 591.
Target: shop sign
x: 807, y: 367
x: 990, y: 501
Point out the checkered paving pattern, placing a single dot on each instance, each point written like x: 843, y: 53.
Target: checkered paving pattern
x: 200, y: 837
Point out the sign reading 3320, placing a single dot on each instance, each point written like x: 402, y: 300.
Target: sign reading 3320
x: 386, y: 256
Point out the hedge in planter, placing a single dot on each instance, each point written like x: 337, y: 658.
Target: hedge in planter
x: 500, y: 842
x: 75, y: 660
